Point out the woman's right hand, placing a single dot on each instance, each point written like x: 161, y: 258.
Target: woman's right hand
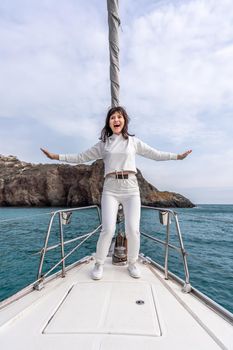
x: 49, y: 154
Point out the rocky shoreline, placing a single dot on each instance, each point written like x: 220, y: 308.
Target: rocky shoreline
x: 26, y: 184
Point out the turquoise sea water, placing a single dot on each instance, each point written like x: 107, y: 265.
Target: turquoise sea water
x: 207, y: 233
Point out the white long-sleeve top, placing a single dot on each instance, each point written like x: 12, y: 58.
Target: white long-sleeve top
x: 118, y: 154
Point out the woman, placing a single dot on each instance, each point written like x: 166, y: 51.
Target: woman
x: 118, y: 148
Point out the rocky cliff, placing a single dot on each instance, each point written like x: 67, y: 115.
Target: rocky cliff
x: 26, y: 184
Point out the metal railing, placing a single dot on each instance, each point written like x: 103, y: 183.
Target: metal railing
x: 165, y: 219
x: 64, y: 216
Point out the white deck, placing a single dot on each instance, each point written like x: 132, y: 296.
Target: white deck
x: 78, y: 313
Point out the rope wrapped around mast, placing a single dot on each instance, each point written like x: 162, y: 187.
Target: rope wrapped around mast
x: 113, y: 25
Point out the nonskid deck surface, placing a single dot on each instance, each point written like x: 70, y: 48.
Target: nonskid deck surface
x: 116, y: 312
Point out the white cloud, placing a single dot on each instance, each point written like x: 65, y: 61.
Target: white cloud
x: 54, y: 63
x: 173, y: 69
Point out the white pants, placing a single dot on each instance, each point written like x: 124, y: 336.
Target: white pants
x: 115, y: 192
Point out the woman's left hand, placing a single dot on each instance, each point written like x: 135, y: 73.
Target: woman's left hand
x: 184, y: 155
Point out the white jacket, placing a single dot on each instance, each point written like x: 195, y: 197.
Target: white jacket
x: 118, y: 154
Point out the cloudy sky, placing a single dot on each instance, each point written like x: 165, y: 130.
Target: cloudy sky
x: 176, y: 84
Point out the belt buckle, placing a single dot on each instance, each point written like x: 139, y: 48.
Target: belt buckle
x: 122, y: 176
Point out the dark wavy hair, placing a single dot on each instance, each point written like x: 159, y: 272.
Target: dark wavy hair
x: 107, y: 131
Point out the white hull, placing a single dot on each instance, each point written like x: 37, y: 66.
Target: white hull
x: 76, y: 312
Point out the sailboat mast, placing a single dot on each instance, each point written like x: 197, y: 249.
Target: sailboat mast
x: 113, y: 25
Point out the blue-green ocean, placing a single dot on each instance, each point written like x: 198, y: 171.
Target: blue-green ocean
x: 207, y: 234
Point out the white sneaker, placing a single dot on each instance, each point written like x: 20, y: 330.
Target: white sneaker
x: 134, y: 271
x: 97, y: 272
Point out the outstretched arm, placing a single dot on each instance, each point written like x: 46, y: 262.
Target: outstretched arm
x: 49, y: 154
x: 184, y: 155
x: 146, y: 151
x: 93, y: 153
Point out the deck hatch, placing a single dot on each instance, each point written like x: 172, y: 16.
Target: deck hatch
x: 107, y: 307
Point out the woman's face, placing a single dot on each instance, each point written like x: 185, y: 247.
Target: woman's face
x: 116, y: 123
